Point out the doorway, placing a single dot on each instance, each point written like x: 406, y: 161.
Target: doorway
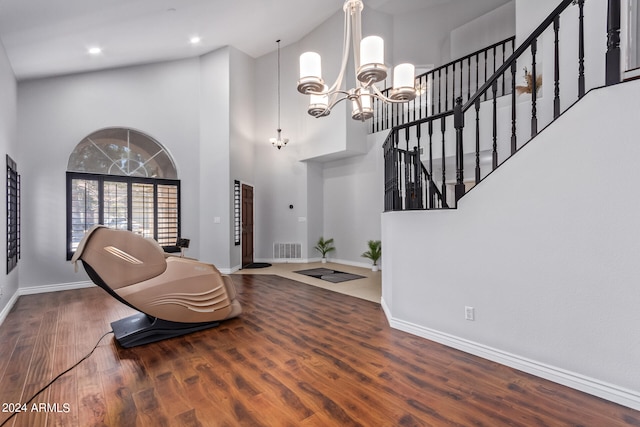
x: 247, y: 224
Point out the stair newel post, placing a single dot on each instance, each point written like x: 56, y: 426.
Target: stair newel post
x: 534, y: 89
x: 613, y: 43
x: 477, y: 107
x: 556, y: 68
x: 397, y: 200
x: 458, y: 123
x: 514, y: 137
x: 581, y: 89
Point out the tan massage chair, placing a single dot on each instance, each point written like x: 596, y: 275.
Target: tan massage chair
x: 175, y: 295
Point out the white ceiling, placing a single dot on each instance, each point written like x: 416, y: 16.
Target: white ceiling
x: 51, y: 37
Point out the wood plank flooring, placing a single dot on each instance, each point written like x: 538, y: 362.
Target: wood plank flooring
x: 297, y: 356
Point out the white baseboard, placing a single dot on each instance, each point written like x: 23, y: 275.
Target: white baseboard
x: 31, y: 290
x: 604, y: 390
x: 7, y: 308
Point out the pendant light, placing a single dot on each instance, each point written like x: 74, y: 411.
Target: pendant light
x: 279, y: 141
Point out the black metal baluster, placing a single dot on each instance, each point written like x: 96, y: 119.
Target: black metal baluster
x: 419, y: 97
x: 418, y: 169
x: 581, y: 50
x: 431, y: 88
x: 613, y: 43
x: 446, y: 89
x: 461, y: 75
x: 468, y: 78
x: 494, y: 89
x: 477, y: 106
x: 458, y: 124
x: 477, y: 72
x: 514, y: 141
x: 503, y: 76
x: 408, y: 185
x: 556, y: 72
x: 443, y: 127
x: 431, y: 183
x: 485, y: 72
x: 397, y: 115
x: 439, y: 90
x: 534, y: 89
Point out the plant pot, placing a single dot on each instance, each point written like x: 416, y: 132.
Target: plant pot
x: 324, y: 260
x: 374, y: 268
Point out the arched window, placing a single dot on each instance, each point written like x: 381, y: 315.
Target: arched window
x: 123, y: 179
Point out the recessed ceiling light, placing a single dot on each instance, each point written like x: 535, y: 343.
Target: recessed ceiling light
x: 195, y: 40
x: 95, y: 50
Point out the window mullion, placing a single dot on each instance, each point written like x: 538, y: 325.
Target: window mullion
x: 129, y: 205
x: 155, y: 211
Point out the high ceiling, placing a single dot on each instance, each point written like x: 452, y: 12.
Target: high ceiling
x: 51, y: 37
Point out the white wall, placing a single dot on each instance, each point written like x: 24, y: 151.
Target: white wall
x: 548, y: 260
x: 55, y: 114
x: 353, y: 202
x: 490, y: 28
x: 242, y: 135
x: 433, y: 25
x: 215, y: 193
x: 8, y: 145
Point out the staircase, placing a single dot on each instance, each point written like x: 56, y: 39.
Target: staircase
x: 434, y: 140
x: 545, y: 251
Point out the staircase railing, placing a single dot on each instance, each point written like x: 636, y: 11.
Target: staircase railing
x: 439, y: 87
x: 494, y: 115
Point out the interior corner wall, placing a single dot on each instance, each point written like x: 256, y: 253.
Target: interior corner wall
x: 242, y: 134
x: 216, y: 189
x: 55, y: 114
x: 354, y: 200
x: 8, y: 145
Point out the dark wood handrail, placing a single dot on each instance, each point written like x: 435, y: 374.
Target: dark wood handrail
x: 517, y: 53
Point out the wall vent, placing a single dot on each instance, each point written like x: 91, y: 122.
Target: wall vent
x: 287, y: 251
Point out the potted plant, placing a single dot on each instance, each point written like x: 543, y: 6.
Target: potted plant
x: 324, y: 247
x: 374, y: 253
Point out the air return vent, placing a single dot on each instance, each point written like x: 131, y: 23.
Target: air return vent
x: 287, y: 251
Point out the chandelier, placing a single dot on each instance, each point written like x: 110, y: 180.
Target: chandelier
x: 369, y: 68
x: 279, y: 141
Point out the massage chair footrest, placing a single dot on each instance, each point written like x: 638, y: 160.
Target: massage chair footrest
x: 140, y: 329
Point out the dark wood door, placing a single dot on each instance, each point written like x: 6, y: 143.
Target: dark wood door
x: 247, y: 224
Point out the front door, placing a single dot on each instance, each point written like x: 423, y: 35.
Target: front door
x: 247, y: 225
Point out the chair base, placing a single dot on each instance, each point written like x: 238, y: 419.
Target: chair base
x: 140, y: 329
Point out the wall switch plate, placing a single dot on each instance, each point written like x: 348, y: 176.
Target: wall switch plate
x: 469, y: 313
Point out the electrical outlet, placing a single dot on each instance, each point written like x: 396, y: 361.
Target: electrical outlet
x: 469, y: 313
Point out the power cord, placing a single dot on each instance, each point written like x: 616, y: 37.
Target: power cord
x: 58, y: 376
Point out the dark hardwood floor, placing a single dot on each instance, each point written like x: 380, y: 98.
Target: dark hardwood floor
x: 297, y: 356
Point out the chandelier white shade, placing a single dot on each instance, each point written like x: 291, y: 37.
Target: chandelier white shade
x: 369, y: 67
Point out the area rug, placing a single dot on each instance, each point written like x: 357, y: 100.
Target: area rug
x: 329, y: 275
x: 257, y: 265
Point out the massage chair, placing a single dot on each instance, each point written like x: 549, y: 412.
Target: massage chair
x: 174, y: 295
